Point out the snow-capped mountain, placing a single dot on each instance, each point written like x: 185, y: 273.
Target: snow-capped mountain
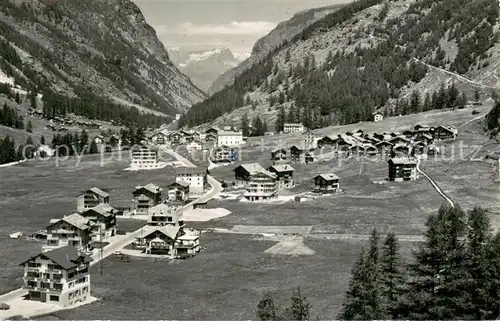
x: 204, y: 66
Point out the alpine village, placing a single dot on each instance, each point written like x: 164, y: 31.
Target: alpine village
x: 348, y: 167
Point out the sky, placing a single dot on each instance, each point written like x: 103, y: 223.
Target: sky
x: 208, y: 24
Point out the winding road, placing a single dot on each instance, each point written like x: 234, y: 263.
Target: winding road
x: 434, y: 184
x: 118, y: 242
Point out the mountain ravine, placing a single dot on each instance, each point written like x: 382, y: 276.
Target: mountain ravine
x: 100, y: 46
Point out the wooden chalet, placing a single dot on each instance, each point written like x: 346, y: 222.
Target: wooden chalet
x: 244, y: 171
x: 91, y: 198
x: 326, y: 183
x: 402, y: 169
x: 176, y: 138
x: 284, y: 175
x: 261, y: 187
x: 300, y: 155
x: 210, y: 137
x: 146, y: 197
x: 221, y: 154
x: 445, y: 132
x: 326, y: 141
x: 104, y: 218
x: 278, y: 156
x: 401, y: 150
x: 384, y: 147
x: 178, y: 192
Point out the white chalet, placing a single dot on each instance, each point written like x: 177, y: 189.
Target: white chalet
x: 193, y: 176
x: 60, y: 277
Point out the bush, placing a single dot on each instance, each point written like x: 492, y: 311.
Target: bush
x: 4, y: 306
x: 475, y: 112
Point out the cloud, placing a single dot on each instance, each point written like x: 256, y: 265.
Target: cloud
x: 259, y: 28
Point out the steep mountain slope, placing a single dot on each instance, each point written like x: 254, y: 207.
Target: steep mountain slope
x: 285, y: 31
x: 98, y: 47
x: 203, y: 66
x: 368, y: 55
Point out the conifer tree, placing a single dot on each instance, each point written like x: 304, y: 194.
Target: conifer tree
x: 93, y: 147
x: 266, y: 309
x: 355, y: 304
x: 42, y: 140
x: 280, y: 120
x: 18, y: 99
x: 244, y: 125
x: 391, y: 277
x: 29, y: 126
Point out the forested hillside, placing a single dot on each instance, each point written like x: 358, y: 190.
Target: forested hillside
x: 368, y: 55
x: 100, y: 51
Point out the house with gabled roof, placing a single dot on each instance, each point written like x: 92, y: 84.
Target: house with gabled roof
x: 146, y: 197
x: 178, y: 192
x: 278, y: 156
x: 74, y: 230
x: 221, y: 154
x: 244, y: 171
x: 402, y: 169
x: 445, y: 132
x: 377, y: 116
x: 60, y: 276
x: 170, y: 240
x: 284, y: 175
x: 325, y: 142
x: 194, y: 176
x: 166, y: 214
x: 401, y: 150
x: 399, y: 140
x: 326, y: 183
x: 91, y: 198
x: 103, y: 217
x: 384, y: 147
x: 159, y: 138
x: 261, y: 187
x: 299, y: 155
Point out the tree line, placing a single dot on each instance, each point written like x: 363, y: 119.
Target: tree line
x: 9, y: 153
x: 454, y: 274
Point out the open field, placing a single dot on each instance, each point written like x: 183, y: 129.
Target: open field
x: 36, y: 191
x: 224, y: 282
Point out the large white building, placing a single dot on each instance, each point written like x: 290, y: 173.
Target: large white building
x: 193, y: 176
x: 59, y: 277
x: 144, y: 157
x: 291, y: 128
x: 229, y: 138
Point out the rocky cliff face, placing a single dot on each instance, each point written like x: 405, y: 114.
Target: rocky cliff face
x: 203, y: 66
x: 285, y: 31
x: 100, y: 46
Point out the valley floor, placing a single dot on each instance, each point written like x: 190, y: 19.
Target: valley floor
x: 227, y: 279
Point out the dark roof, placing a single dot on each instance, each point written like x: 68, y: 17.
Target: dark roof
x: 67, y: 257
x: 182, y: 183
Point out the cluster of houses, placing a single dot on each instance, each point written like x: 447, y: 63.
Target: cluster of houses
x: 63, y: 121
x: 412, y: 142
x: 60, y: 273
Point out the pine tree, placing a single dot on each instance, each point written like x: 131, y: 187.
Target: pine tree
x: 93, y: 147
x: 266, y: 309
x: 427, y: 102
x: 33, y: 102
x: 478, y: 238
x: 29, y: 126
x: 477, y: 95
x: 244, y: 125
x: 415, y: 102
x: 355, y: 304
x: 391, y: 277
x: 18, y: 99
x: 280, y: 120
x: 83, y: 141
x: 436, y: 278
x: 300, y: 309
x: 42, y: 140
x: 452, y: 96
x: 30, y: 148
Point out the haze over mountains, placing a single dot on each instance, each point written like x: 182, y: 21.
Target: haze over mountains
x: 204, y: 66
